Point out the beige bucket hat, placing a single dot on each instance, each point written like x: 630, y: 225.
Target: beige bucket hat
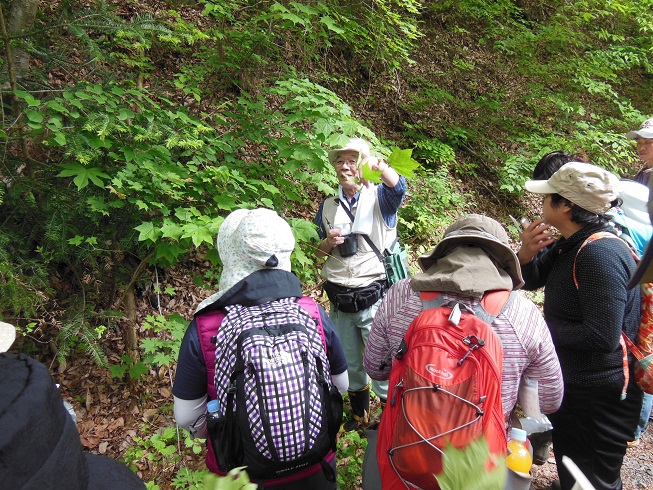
x: 484, y: 232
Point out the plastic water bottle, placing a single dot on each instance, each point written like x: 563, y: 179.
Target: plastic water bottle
x: 213, y: 410
x: 216, y: 425
x: 519, y: 459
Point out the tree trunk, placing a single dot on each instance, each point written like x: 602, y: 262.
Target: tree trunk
x: 22, y: 14
x: 131, y: 335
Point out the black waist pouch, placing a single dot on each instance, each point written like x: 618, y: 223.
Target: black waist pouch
x: 351, y: 300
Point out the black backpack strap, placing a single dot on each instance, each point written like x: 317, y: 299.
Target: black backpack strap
x: 329, y: 474
x: 365, y: 237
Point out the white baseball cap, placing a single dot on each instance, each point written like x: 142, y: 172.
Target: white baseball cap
x: 644, y: 131
x: 358, y: 145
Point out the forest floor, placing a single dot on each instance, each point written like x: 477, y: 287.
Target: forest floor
x: 636, y: 472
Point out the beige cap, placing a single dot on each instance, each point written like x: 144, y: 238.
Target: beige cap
x: 586, y: 185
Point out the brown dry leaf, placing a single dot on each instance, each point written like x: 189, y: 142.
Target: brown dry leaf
x: 85, y: 425
x: 101, y: 430
x: 164, y: 392
x: 150, y: 414
x: 102, y: 448
x: 89, y: 441
x: 119, y: 422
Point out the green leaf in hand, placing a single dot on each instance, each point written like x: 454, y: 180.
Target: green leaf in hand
x: 402, y: 162
x: 371, y: 175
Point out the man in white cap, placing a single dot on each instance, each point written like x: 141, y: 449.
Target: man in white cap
x: 644, y: 138
x: 360, y: 219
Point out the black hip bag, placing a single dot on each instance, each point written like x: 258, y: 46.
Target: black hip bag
x: 351, y: 300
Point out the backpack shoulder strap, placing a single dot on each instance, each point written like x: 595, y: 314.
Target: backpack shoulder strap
x: 592, y: 238
x: 431, y: 299
x: 207, y: 328
x: 311, y: 307
x: 494, y: 303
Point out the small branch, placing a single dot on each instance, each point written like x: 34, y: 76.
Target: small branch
x: 135, y: 276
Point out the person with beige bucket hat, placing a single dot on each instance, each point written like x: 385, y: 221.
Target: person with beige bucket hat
x: 473, y: 258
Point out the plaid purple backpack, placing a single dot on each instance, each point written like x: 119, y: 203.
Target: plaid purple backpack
x: 281, y: 412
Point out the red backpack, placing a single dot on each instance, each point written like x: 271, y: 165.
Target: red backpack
x: 444, y: 388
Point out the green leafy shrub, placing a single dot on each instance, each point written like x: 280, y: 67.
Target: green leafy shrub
x: 433, y: 200
x: 351, y: 449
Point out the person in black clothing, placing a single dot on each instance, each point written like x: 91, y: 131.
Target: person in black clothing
x: 39, y: 442
x: 587, y: 305
x: 633, y: 232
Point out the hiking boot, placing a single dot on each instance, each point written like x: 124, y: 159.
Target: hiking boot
x: 541, y: 442
x: 360, y: 410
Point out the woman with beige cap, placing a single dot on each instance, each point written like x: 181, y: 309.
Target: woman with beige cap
x: 587, y: 305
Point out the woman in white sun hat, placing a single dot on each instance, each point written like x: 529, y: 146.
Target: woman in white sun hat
x: 587, y: 305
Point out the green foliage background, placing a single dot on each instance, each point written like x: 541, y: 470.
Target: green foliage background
x: 133, y: 133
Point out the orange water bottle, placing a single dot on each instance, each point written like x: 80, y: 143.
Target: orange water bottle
x: 519, y: 459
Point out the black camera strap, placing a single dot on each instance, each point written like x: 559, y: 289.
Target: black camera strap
x: 366, y: 237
